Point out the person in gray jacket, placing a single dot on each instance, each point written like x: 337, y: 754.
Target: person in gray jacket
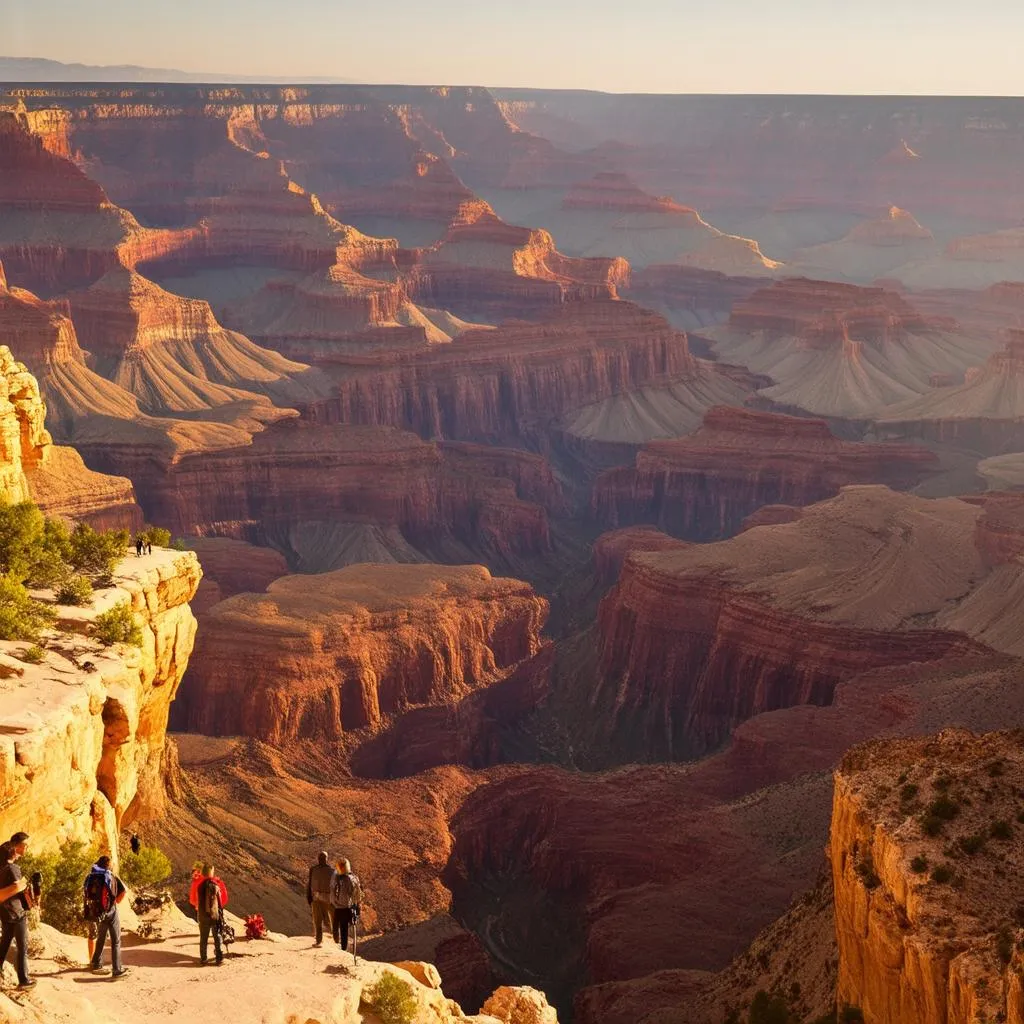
x: 319, y: 888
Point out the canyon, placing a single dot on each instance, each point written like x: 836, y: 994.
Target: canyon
x: 561, y: 485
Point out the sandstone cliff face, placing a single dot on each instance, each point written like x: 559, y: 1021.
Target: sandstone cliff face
x: 83, y: 736
x: 293, y: 484
x: 321, y: 657
x: 703, y: 486
x: 914, y: 948
x: 774, y: 608
x: 496, y: 384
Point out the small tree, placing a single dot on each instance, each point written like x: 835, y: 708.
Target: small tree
x: 157, y: 536
x: 117, y: 626
x: 392, y: 999
x: 149, y: 866
x: 75, y: 590
x: 96, y: 554
x: 63, y: 880
x: 21, y: 616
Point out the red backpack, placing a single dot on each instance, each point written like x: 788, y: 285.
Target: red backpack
x: 97, y: 896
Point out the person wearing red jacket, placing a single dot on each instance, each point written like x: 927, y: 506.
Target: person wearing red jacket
x: 197, y: 880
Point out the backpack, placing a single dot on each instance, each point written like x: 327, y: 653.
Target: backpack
x: 209, y: 895
x: 347, y: 891
x: 97, y: 896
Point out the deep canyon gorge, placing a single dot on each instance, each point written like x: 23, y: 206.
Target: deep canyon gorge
x: 598, y: 517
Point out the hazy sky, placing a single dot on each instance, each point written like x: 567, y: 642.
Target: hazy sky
x: 870, y: 46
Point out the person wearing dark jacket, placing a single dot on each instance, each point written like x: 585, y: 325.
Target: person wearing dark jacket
x: 319, y: 887
x: 210, y: 899
x: 15, y: 902
x: 346, y: 895
x: 103, y: 892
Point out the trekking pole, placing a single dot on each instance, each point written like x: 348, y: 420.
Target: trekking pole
x: 355, y: 939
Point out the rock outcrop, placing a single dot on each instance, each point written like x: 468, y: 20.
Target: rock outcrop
x: 325, y: 656
x: 82, y: 741
x: 31, y: 467
x: 923, y: 854
x: 702, y: 487
x: 985, y: 412
x: 777, y: 616
x: 841, y: 350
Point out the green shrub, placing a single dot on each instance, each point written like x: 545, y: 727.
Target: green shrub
x: 75, y: 590
x: 919, y: 865
x: 995, y: 769
x: 148, y: 867
x: 768, y: 1009
x: 1001, y: 830
x: 941, y: 874
x: 392, y: 999
x: 63, y: 877
x: 178, y: 545
x: 33, y: 655
x: 1004, y: 944
x: 21, y: 616
x: 971, y: 844
x: 96, y: 554
x: 117, y: 626
x: 157, y: 536
x: 930, y: 825
x: 908, y: 792
x: 868, y: 875
x: 944, y: 808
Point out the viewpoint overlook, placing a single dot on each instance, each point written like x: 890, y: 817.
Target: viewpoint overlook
x: 598, y: 518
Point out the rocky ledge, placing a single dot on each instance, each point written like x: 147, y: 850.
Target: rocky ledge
x: 82, y: 733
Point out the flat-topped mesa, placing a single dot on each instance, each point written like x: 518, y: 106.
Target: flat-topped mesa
x: 807, y: 308
x: 327, y: 491
x: 790, y: 610
x: 498, y: 384
x: 704, y: 485
x: 83, y: 736
x: 924, y: 856
x: 318, y: 657
x: 609, y: 190
x: 842, y: 350
x: 708, y: 295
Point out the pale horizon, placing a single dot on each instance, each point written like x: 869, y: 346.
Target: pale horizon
x: 791, y: 47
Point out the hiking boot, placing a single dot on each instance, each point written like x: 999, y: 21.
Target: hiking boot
x: 219, y: 962
x: 97, y: 969
x: 121, y: 973
x: 30, y: 983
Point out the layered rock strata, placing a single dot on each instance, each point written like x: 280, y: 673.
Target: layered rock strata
x: 321, y: 657
x: 82, y: 741
x: 777, y: 616
x: 927, y: 916
x: 703, y: 486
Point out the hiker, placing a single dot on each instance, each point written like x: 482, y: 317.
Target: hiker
x: 149, y: 547
x: 197, y: 880
x: 346, y: 895
x: 139, y: 545
x: 103, y: 891
x: 318, y: 895
x: 136, y: 844
x: 15, y: 901
x: 210, y: 911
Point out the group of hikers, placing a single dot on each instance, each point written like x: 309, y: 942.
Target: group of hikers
x: 143, y: 545
x: 333, y: 894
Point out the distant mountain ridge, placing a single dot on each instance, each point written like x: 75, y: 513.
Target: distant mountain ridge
x: 41, y: 69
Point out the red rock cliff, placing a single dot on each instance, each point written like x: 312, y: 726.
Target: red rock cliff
x: 318, y: 657
x: 703, y: 486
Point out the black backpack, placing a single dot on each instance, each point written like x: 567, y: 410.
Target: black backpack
x: 209, y: 896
